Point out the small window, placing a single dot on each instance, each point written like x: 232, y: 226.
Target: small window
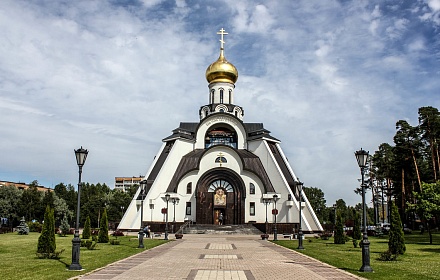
x: 252, y: 208
x: 221, y: 95
x: 188, y: 208
x: 251, y: 188
x: 212, y: 96
x: 230, y: 96
x: 221, y: 160
x: 189, y: 188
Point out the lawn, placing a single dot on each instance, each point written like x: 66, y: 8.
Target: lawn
x: 18, y: 259
x: 420, y: 261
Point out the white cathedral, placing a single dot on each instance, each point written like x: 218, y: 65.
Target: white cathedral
x: 222, y: 167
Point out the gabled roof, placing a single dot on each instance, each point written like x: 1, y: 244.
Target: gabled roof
x: 191, y: 161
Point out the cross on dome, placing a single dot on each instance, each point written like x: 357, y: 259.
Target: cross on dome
x: 222, y: 33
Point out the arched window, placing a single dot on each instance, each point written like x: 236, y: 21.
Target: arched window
x: 212, y: 96
x: 221, y: 136
x: 230, y: 96
x: 221, y: 160
x: 251, y: 188
x: 221, y: 95
x: 189, y: 188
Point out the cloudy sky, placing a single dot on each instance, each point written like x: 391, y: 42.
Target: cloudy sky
x: 325, y: 77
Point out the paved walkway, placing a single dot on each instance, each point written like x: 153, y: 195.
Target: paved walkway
x: 199, y: 256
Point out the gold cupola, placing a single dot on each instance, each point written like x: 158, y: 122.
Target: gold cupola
x: 221, y: 71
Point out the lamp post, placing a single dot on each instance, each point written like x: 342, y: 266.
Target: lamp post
x: 167, y: 198
x: 142, y: 185
x: 275, y: 212
x: 266, y: 201
x: 361, y: 157
x: 174, y: 200
x: 122, y: 211
x: 300, y: 233
x: 81, y: 155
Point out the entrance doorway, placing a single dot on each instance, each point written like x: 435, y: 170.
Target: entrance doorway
x: 220, y: 191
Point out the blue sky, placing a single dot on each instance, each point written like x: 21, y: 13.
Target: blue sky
x: 325, y: 77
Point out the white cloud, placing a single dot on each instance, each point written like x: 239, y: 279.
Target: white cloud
x: 434, y: 5
x: 322, y: 76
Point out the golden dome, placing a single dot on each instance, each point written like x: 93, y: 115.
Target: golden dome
x: 221, y: 71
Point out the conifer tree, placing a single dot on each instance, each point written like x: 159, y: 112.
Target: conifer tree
x: 64, y: 227
x: 396, y: 242
x: 46, y: 241
x: 86, y: 230
x: 103, y: 228
x: 339, y: 230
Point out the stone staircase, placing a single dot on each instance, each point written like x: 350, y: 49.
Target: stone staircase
x: 222, y: 229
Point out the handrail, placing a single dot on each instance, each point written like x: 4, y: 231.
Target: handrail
x: 182, y: 227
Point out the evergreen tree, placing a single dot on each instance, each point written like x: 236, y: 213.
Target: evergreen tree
x: 86, y: 231
x: 64, y: 227
x: 339, y: 230
x: 396, y: 242
x: 46, y: 241
x: 357, y: 226
x: 103, y: 228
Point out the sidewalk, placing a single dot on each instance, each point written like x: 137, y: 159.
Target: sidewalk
x: 199, y: 256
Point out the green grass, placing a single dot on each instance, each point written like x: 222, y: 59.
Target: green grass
x: 18, y: 259
x: 420, y: 261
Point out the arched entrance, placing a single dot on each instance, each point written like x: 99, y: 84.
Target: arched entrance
x: 220, y: 192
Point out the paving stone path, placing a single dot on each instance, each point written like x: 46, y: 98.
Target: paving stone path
x: 199, y: 257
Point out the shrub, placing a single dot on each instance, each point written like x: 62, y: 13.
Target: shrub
x: 103, y: 228
x: 357, y: 226
x: 118, y: 233
x: 396, y: 242
x: 54, y: 255
x: 86, y: 231
x: 339, y: 230
x: 115, y: 242
x: 355, y: 243
x: 35, y: 227
x: 388, y: 256
x: 46, y: 241
x: 326, y: 235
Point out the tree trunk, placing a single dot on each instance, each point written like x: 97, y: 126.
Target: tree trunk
x: 403, y: 190
x: 417, y: 169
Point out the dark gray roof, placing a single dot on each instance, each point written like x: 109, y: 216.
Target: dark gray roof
x: 187, y: 130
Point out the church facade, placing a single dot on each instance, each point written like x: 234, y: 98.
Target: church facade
x: 220, y: 170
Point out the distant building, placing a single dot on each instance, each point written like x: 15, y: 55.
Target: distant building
x: 23, y: 186
x: 124, y: 183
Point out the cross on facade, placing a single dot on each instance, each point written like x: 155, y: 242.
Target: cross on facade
x: 220, y: 155
x: 222, y: 33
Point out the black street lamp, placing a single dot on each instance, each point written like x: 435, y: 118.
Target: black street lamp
x: 122, y: 211
x: 361, y: 157
x: 275, y: 212
x: 167, y: 198
x: 81, y: 155
x: 266, y: 201
x: 174, y: 200
x: 141, y: 197
x: 300, y: 233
